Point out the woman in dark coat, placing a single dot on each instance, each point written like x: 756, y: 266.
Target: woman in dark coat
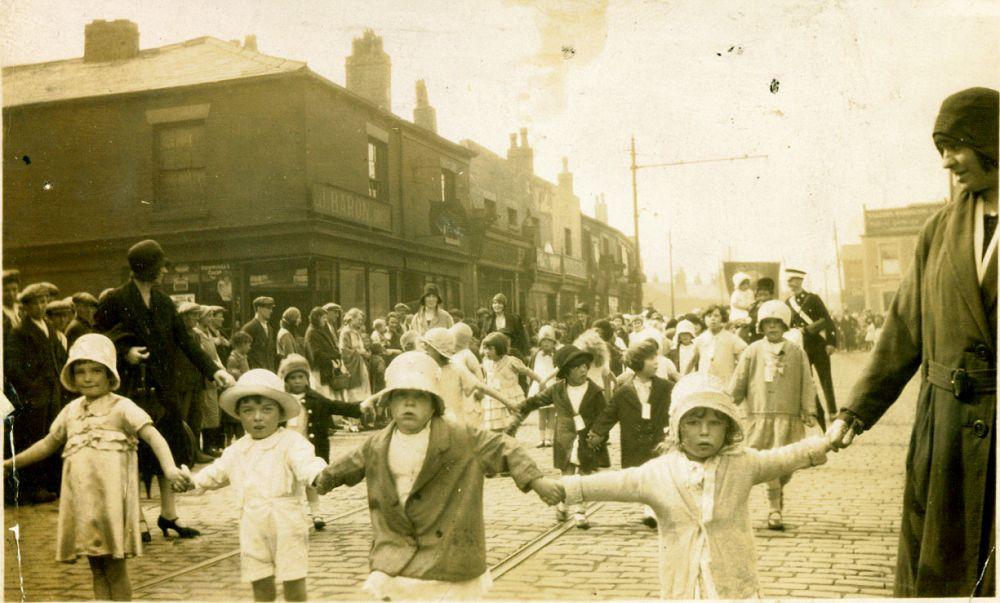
x: 148, y: 334
x: 508, y: 323
x: 321, y: 349
x: 943, y: 322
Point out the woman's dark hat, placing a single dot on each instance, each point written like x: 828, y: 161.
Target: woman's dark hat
x: 570, y: 356
x: 431, y: 289
x: 765, y: 283
x: 145, y: 258
x: 969, y: 118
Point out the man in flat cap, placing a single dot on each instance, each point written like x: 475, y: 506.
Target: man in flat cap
x: 33, y: 362
x: 11, y: 288
x: 148, y: 333
x: 264, y: 350
x: 819, y: 336
x: 59, y: 313
x: 84, y: 304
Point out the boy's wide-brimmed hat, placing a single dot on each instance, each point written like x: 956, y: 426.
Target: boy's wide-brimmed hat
x: 291, y: 364
x: 442, y: 340
x: 570, y: 356
x: 700, y: 390
x: 264, y: 383
x: 96, y: 348
x: 775, y: 309
x: 413, y: 371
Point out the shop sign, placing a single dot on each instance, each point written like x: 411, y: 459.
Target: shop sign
x: 898, y: 221
x: 179, y: 298
x: 346, y: 205
x: 281, y: 277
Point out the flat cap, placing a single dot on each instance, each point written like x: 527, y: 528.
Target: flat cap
x: 263, y: 301
x: 59, y: 306
x: 82, y: 298
x: 31, y: 292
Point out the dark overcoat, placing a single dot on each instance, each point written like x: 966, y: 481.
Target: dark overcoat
x: 34, y: 362
x: 942, y: 319
x: 322, y: 350
x: 264, y: 349
x: 319, y: 419
x: 515, y: 327
x: 639, y: 437
x: 565, y: 429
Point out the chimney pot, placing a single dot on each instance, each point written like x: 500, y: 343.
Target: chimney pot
x: 565, y: 163
x: 524, y: 137
x: 250, y: 42
x: 424, y: 115
x: 513, y: 141
x: 369, y: 70
x: 110, y: 40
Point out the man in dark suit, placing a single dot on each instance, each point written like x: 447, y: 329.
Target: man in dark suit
x: 819, y: 335
x: 147, y: 331
x: 264, y: 350
x: 33, y: 362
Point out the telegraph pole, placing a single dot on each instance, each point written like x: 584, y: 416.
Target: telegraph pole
x: 670, y: 247
x: 635, y: 199
x: 840, y: 272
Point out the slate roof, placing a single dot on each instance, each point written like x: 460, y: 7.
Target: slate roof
x: 202, y: 60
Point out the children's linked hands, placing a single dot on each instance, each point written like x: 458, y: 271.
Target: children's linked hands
x: 181, y: 479
x: 594, y: 440
x: 550, y: 491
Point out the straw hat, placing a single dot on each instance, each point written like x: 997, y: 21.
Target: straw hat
x: 260, y: 382
x: 96, y: 348
x: 416, y: 371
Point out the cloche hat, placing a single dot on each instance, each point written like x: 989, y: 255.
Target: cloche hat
x: 700, y: 390
x: 775, y: 309
x: 440, y: 339
x: 416, y: 371
x: 96, y: 348
x: 293, y: 363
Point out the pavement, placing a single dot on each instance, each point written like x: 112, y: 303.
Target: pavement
x: 842, y: 526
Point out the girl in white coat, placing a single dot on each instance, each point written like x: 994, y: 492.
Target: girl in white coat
x: 699, y: 489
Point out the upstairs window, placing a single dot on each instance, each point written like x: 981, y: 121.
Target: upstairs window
x: 378, y: 169
x: 511, y: 216
x: 491, y: 208
x: 568, y: 241
x: 180, y: 164
x: 448, y: 194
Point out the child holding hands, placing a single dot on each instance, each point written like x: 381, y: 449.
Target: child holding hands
x: 99, y: 431
x: 269, y: 469
x: 425, y: 477
x: 699, y: 489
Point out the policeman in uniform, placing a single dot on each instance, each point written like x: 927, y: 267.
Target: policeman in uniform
x: 819, y: 335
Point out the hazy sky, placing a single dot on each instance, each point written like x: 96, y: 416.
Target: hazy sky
x: 858, y: 86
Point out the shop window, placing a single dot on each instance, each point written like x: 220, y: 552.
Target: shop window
x: 378, y: 292
x: 180, y: 164
x: 352, y: 287
x: 378, y: 169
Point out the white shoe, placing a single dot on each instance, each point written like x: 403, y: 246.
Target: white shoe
x: 581, y: 521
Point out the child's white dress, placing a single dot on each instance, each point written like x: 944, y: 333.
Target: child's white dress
x: 500, y: 375
x: 99, y: 500
x: 269, y: 477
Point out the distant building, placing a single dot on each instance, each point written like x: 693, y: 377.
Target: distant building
x: 615, y: 281
x: 852, y: 260
x: 889, y: 240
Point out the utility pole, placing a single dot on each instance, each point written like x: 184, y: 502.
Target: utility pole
x: 670, y: 248
x: 635, y: 198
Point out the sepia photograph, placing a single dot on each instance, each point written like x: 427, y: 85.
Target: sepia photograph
x: 354, y: 300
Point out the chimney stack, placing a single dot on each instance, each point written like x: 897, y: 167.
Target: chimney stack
x: 369, y: 71
x: 110, y: 40
x: 250, y: 42
x: 521, y: 157
x: 566, y: 177
x: 601, y: 209
x: 424, y: 114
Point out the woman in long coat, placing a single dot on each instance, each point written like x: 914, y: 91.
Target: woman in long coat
x: 321, y: 351
x: 943, y: 322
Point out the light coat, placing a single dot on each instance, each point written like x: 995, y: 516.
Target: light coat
x: 662, y: 484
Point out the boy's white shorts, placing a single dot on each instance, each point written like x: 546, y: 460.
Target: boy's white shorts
x: 274, y: 542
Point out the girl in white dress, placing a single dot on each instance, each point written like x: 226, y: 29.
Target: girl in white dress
x: 99, y: 501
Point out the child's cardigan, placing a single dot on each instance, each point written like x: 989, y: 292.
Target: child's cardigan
x: 662, y: 484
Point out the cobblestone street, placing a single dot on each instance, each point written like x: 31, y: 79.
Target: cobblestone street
x: 842, y: 525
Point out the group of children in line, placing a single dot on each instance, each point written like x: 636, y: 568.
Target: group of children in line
x: 425, y: 471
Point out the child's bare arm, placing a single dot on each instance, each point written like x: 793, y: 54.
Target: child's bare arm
x: 40, y: 450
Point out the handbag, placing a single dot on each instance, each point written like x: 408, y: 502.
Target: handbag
x: 341, y: 379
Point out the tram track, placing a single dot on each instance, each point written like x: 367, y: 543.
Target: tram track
x: 498, y: 570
